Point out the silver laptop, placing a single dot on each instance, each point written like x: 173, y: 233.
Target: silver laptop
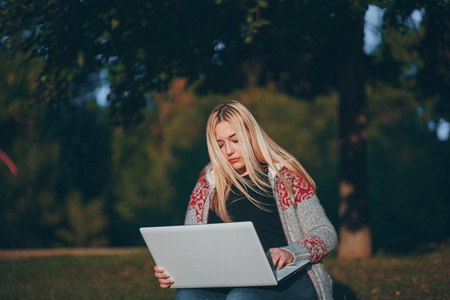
x: 214, y: 255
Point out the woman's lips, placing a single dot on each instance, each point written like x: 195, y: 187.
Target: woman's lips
x: 233, y: 160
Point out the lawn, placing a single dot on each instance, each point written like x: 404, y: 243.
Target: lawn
x: 130, y: 276
x: 393, y: 277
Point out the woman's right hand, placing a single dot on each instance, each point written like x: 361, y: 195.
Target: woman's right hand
x: 164, y: 279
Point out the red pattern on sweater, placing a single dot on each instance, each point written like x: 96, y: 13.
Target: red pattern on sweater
x: 316, y: 246
x: 301, y: 189
x: 198, y: 198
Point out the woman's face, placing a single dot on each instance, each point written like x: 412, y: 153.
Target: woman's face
x: 229, y: 145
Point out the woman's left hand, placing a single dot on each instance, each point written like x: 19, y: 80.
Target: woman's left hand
x: 280, y: 257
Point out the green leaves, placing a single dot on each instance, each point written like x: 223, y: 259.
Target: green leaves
x: 254, y: 20
x: 86, y: 222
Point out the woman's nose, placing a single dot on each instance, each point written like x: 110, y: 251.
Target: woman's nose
x: 229, y: 149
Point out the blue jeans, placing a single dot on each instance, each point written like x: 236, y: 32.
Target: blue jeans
x: 297, y: 287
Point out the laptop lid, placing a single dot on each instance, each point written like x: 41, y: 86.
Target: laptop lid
x: 210, y: 255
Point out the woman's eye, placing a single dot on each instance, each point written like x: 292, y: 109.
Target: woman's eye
x: 235, y: 141
x: 220, y: 145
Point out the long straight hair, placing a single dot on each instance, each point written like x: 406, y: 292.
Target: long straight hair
x: 258, y: 151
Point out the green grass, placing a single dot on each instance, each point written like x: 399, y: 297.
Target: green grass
x: 130, y: 276
x: 392, y: 277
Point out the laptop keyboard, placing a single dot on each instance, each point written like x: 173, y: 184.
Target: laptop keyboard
x: 284, y: 272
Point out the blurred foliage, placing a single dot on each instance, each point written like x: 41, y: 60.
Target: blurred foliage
x: 409, y: 171
x: 87, y: 222
x: 417, y: 53
x: 91, y: 175
x: 144, y: 44
x: 150, y: 169
x: 221, y: 45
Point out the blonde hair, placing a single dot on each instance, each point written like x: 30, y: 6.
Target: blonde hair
x: 258, y: 150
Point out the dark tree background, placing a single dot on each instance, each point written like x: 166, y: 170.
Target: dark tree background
x: 168, y: 63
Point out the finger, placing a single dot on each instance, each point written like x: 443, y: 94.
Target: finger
x: 165, y: 283
x: 162, y: 275
x: 158, y: 269
x: 275, y: 259
x: 281, y: 262
x: 288, y: 256
x: 273, y: 252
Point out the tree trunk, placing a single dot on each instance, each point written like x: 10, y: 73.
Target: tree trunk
x: 354, y: 230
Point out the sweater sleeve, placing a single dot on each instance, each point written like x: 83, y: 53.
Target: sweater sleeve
x: 197, y: 201
x: 320, y: 237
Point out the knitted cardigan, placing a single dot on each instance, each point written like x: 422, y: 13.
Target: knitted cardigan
x: 309, y: 233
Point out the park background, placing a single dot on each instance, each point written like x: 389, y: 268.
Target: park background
x: 103, y: 107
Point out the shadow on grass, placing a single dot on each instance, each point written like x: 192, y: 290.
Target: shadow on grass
x: 343, y: 292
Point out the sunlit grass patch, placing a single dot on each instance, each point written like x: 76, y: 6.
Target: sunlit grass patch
x: 130, y: 276
x: 393, y: 277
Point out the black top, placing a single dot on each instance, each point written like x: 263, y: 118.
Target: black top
x: 267, y: 222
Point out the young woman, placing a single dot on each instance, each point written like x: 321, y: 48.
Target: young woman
x: 251, y: 178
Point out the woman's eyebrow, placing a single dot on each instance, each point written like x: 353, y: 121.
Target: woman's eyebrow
x: 231, y: 136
